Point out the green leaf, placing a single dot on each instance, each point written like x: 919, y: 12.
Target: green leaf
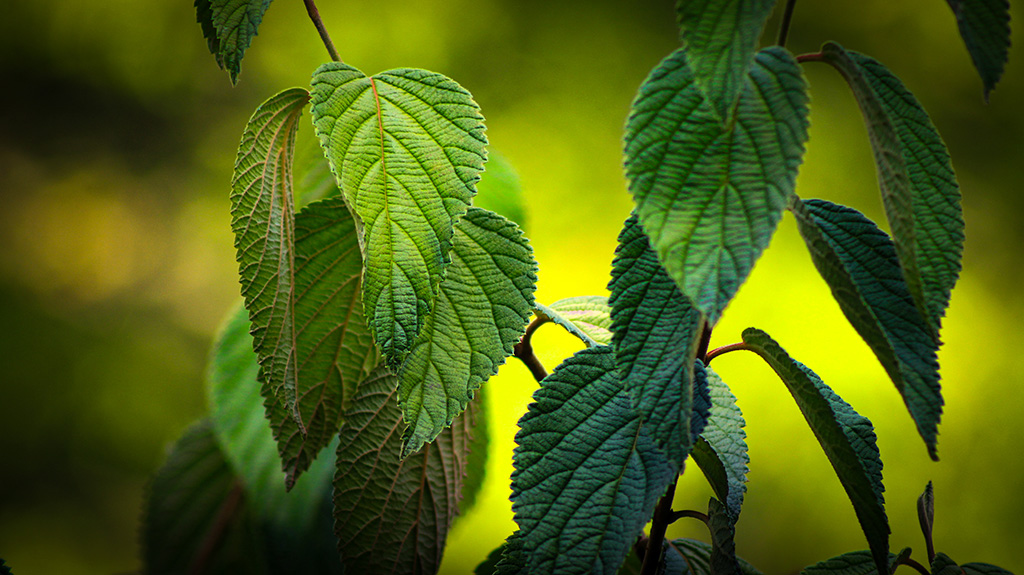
x: 392, y: 515
x: 919, y: 188
x: 852, y: 563
x: 513, y: 560
x: 657, y: 333
x: 722, y: 525
x: 229, y: 27
x: 985, y: 28
x: 926, y: 516
x: 983, y: 569
x: 586, y: 475
x: 476, y: 463
x: 859, y: 263
x: 480, y: 314
x: 721, y: 450
x: 490, y: 565
x: 710, y: 196
x: 4, y: 568
x: 721, y: 37
x: 407, y: 147
x: 500, y: 190
x: 586, y: 317
x: 847, y: 438
x: 247, y: 441
x: 693, y: 557
x: 943, y: 565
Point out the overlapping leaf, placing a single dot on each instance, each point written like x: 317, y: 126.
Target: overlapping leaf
x: 407, y: 147
x: 859, y: 263
x: 710, y: 196
x: 480, y: 313
x: 722, y: 525
x: 919, y: 189
x: 500, y: 190
x: 229, y: 27
x: 721, y: 449
x: 985, y: 28
x: 847, y: 438
x: 721, y: 37
x: 392, y: 515
x: 586, y: 317
x: 586, y: 475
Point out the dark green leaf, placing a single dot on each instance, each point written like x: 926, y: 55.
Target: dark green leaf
x: 722, y: 525
x: 721, y: 37
x: 392, y: 515
x: 985, y: 28
x: 586, y: 475
x: 229, y: 27
x: 693, y: 557
x: 490, y: 565
x: 847, y: 438
x: 513, y: 560
x: 926, y: 516
x: 721, y: 450
x: 4, y: 569
x: 476, y: 463
x: 499, y: 190
x: 943, y: 565
x: 852, y: 563
x: 480, y: 314
x: 586, y: 317
x: 407, y: 147
x: 859, y: 263
x: 710, y: 196
x: 983, y: 569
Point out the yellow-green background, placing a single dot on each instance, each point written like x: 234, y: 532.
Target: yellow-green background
x: 117, y: 138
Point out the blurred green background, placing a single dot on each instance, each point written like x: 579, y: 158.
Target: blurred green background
x: 117, y: 139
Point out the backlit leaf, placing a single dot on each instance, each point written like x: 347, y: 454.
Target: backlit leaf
x: 985, y: 28
x: 586, y: 317
x: 407, y: 147
x: 500, y: 190
x: 847, y: 438
x: 721, y: 449
x: 480, y: 314
x: 229, y: 27
x: 586, y: 475
x: 710, y: 196
x: 859, y: 263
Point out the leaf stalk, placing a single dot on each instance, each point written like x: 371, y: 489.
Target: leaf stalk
x: 787, y: 17
x: 524, y: 350
x: 314, y: 15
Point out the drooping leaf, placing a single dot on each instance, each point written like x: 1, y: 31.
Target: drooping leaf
x: 480, y: 314
x: 847, y: 438
x: 985, y: 28
x: 859, y: 263
x: 693, y: 557
x: 229, y: 27
x: 586, y: 475
x: 721, y: 37
x: 721, y: 450
x: 392, y: 515
x: 919, y: 188
x: 656, y: 334
x: 501, y: 191
x: 722, y: 525
x: 407, y: 147
x: 586, y: 317
x: 710, y: 196
x: 852, y: 563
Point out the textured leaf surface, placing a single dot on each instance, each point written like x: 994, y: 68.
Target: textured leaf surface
x: 586, y: 475
x: 722, y: 525
x: 407, y: 147
x: 501, y: 191
x: 229, y: 27
x: 721, y: 450
x: 657, y: 332
x: 943, y: 565
x: 847, y: 438
x: 693, y: 557
x: 926, y: 514
x: 985, y: 28
x: 859, y: 263
x: 710, y: 196
x: 919, y: 188
x: 852, y: 563
x: 480, y: 314
x: 721, y: 38
x: 586, y: 317
x: 513, y: 560
x: 392, y: 515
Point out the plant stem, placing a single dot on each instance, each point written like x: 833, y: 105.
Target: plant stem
x: 314, y: 15
x: 787, y: 17
x: 659, y: 524
x: 815, y: 57
x: 725, y: 349
x: 917, y: 566
x: 692, y: 514
x: 524, y: 350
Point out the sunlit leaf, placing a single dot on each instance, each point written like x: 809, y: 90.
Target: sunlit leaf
x: 721, y: 37
x: 985, y: 28
x: 847, y: 438
x: 852, y: 563
x: 721, y: 449
x: 586, y: 317
x: 392, y: 515
x: 407, y: 147
x: 480, y: 313
x: 229, y: 27
x: 859, y: 263
x: 500, y: 190
x: 710, y: 196
x: 586, y: 475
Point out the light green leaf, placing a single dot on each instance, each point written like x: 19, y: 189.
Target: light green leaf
x: 847, y: 438
x: 859, y: 263
x: 852, y: 563
x: 480, y: 314
x: 586, y: 317
x: 985, y: 28
x: 657, y: 333
x: 586, y: 475
x: 392, y: 515
x: 407, y: 147
x: 721, y: 449
x: 500, y: 190
x: 710, y: 196
x: 229, y: 27
x: 721, y: 37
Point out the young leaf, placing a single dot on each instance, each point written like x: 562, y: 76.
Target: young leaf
x: 480, y: 314
x: 847, y: 438
x: 229, y: 27
x: 392, y: 515
x: 926, y: 517
x: 859, y: 263
x: 500, y: 190
x: 721, y: 38
x: 710, y: 196
x: 407, y: 147
x: 721, y: 449
x: 656, y: 334
x: 586, y: 475
x: 919, y: 189
x: 586, y: 317
x: 722, y: 524
x: 693, y: 557
x: 852, y: 563
x: 985, y: 28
